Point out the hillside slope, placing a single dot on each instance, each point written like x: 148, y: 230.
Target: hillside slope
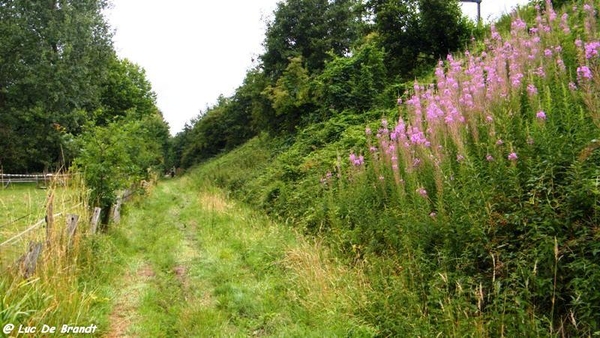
x: 477, y: 212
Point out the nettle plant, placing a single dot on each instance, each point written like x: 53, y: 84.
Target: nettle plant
x: 492, y: 169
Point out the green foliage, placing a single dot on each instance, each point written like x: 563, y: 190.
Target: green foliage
x: 309, y: 29
x: 352, y: 83
x: 495, y: 246
x: 415, y: 34
x: 124, y: 89
x: 115, y: 156
x: 290, y: 96
x: 325, y: 58
x: 52, y: 61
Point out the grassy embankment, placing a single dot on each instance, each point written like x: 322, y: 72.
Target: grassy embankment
x: 476, y: 209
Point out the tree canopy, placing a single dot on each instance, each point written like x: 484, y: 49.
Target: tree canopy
x: 58, y: 73
x: 328, y: 57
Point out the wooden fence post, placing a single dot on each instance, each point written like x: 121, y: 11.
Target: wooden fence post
x: 49, y: 217
x: 71, y: 227
x: 127, y: 195
x: 95, y: 220
x: 29, y: 260
x: 116, y: 216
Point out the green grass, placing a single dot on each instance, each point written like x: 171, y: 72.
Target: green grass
x: 20, y: 204
x: 205, y: 266
x: 24, y: 204
x: 69, y: 285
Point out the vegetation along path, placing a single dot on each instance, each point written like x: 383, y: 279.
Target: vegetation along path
x: 202, y: 265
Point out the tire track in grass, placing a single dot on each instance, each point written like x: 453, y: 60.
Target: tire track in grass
x: 124, y: 315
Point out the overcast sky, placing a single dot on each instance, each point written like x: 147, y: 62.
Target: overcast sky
x: 195, y: 50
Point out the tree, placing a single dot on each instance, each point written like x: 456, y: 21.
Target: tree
x: 397, y: 25
x: 126, y: 87
x: 53, y: 57
x: 443, y: 27
x: 352, y: 83
x: 115, y: 156
x: 417, y: 33
x: 310, y: 29
x: 290, y: 96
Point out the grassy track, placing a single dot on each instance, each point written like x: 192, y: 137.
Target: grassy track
x: 201, y: 265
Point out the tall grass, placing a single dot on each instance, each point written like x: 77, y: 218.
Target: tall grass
x: 67, y: 286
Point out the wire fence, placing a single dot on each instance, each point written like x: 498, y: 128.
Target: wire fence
x: 46, y: 223
x: 42, y: 180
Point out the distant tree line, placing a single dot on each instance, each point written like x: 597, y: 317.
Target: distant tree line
x: 326, y: 57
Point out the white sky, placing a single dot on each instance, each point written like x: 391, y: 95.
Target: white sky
x: 195, y: 50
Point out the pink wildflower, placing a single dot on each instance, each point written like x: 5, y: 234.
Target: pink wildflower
x: 552, y: 16
x: 540, y: 115
x: 416, y: 162
x: 489, y: 158
x: 422, y: 192
x: 565, y: 24
x: 519, y: 24
x: 591, y: 49
x: 540, y: 72
x: 495, y: 34
x: 356, y: 160
x: 512, y: 156
x: 584, y: 72
x: 531, y: 89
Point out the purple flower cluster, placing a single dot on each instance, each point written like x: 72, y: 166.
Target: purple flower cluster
x: 584, y: 72
x: 356, y: 161
x: 591, y: 49
x: 540, y: 115
x: 467, y: 92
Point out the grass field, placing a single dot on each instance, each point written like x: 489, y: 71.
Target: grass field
x: 24, y: 204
